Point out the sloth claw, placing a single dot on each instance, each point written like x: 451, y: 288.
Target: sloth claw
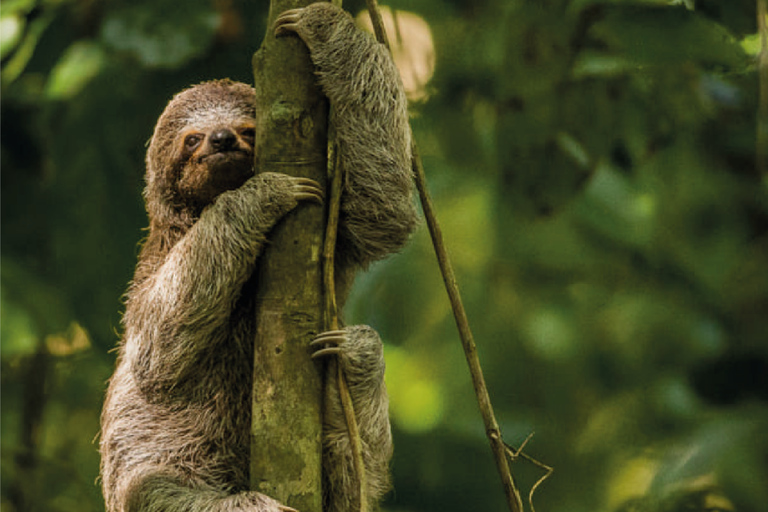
x: 287, y: 22
x: 328, y: 343
x: 306, y: 189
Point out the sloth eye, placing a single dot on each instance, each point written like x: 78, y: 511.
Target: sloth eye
x: 192, y: 141
x: 249, y: 134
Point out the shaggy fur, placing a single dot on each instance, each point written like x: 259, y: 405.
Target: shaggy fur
x: 176, y: 420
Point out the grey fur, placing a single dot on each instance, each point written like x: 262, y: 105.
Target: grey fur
x: 176, y: 420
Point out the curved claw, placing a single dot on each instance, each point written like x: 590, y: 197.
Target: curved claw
x: 309, y: 190
x: 283, y: 508
x: 330, y: 351
x: 307, y: 181
x: 288, y: 21
x: 332, y: 338
x: 310, y: 195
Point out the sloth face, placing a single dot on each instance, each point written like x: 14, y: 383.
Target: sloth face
x: 214, y: 159
x: 202, y: 146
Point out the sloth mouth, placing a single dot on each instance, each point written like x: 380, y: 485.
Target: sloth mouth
x: 214, y: 173
x: 229, y: 169
x: 231, y: 155
x: 233, y: 165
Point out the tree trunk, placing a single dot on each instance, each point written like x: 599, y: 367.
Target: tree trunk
x: 286, y: 449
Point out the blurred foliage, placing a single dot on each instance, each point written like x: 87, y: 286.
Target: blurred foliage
x: 593, y: 167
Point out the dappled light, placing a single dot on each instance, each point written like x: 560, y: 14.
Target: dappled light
x: 412, y: 48
x: 417, y: 398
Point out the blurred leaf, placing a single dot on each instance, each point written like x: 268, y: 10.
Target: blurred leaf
x: 630, y: 480
x: 549, y: 334
x: 16, y: 6
x: 737, y: 15
x: 18, y: 329
x: 581, y: 4
x: 590, y: 63
x: 80, y: 63
x: 752, y: 44
x: 656, y: 36
x: 613, y: 206
x: 417, y: 399
x: 468, y: 216
x: 165, y: 36
x: 32, y: 308
x: 26, y: 48
x: 11, y: 28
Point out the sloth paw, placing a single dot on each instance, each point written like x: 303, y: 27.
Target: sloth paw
x: 315, y: 24
x: 358, y: 348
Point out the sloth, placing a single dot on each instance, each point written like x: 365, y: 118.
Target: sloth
x: 176, y: 420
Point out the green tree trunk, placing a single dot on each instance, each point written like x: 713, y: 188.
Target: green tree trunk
x: 291, y: 137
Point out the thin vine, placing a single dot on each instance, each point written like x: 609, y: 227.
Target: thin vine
x: 501, y: 451
x: 335, y: 172
x: 762, y: 110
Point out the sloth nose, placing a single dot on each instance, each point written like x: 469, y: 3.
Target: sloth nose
x: 223, y: 140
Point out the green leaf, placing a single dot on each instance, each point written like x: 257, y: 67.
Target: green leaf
x: 752, y: 44
x: 11, y: 28
x: 578, y: 5
x: 17, y: 329
x: 32, y: 308
x: 164, y: 36
x: 655, y: 36
x: 81, y: 62
x: 16, y: 6
x: 26, y: 48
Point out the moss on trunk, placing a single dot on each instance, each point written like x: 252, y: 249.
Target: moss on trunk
x: 291, y: 138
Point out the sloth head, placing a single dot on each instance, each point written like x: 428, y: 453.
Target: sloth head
x: 203, y: 145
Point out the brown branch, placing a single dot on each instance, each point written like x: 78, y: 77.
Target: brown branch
x: 470, y: 349
x: 335, y: 172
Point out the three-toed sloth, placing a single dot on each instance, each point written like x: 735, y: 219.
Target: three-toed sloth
x: 176, y: 421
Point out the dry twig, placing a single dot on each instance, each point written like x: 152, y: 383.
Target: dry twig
x: 514, y: 454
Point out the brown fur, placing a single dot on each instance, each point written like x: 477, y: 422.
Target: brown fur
x: 176, y: 420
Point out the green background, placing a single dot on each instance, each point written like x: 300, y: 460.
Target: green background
x: 593, y: 167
